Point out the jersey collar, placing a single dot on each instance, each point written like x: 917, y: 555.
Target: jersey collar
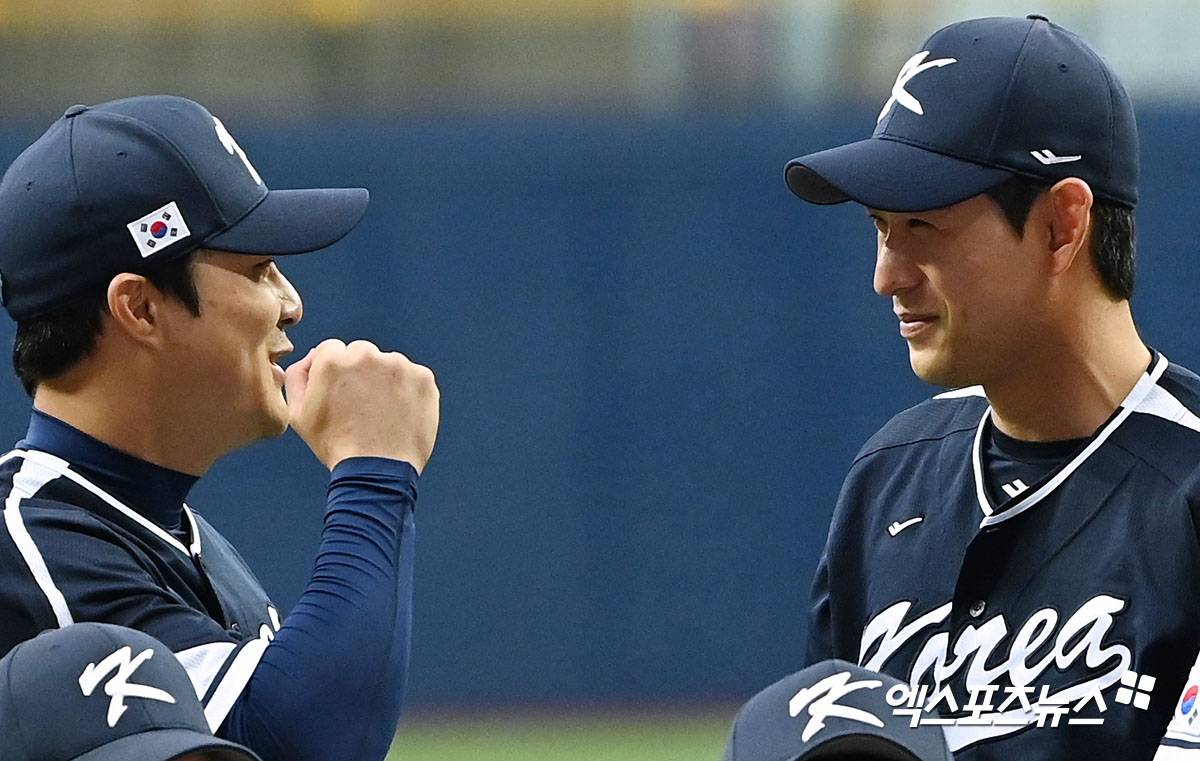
x: 1136, y: 396
x: 156, y: 492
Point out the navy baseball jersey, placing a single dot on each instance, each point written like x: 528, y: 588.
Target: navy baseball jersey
x: 1053, y: 616
x: 72, y: 552
x: 89, y: 533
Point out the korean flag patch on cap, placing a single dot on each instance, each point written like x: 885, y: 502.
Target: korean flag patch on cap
x: 158, y: 229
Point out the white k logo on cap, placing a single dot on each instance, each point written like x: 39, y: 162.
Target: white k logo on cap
x: 821, y: 701
x: 118, y: 687
x: 911, y: 68
x: 232, y: 146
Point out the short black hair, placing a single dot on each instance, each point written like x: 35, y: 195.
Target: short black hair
x: 1114, y: 234
x: 48, y: 345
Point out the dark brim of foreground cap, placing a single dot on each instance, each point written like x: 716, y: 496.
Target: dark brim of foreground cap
x: 888, y: 175
x: 865, y: 746
x: 167, y: 745
x: 294, y: 222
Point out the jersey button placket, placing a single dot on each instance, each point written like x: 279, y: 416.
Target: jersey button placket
x: 977, y: 608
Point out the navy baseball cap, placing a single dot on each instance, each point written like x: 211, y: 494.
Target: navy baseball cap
x: 981, y: 101
x: 109, y: 188
x: 832, y: 709
x: 99, y: 692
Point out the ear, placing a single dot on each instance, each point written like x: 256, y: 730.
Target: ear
x: 1070, y: 209
x: 134, y: 307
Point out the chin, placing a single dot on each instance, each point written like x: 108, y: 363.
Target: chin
x: 274, y: 429
x: 932, y: 368
x: 276, y: 424
x: 273, y: 417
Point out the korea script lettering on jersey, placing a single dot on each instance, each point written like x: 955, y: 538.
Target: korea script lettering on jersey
x: 1080, y: 584
x: 993, y: 655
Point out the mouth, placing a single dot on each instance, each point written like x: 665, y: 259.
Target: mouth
x: 276, y: 356
x: 912, y: 324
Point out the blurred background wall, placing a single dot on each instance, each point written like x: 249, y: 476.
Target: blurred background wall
x: 656, y: 364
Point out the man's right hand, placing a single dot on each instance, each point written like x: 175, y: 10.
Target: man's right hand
x: 357, y: 401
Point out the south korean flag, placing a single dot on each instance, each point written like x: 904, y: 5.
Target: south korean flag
x: 158, y: 229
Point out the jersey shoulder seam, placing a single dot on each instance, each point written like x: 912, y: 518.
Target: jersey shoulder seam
x: 961, y: 403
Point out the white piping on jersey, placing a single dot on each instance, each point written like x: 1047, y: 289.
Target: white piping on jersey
x: 63, y: 468
x: 204, y: 662
x: 26, y: 481
x: 235, y: 680
x: 1161, y: 403
x: 958, y: 393
x: 195, y: 548
x: 1141, y: 390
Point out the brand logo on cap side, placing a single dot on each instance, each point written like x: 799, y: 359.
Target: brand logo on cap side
x: 233, y: 148
x: 118, y: 687
x: 158, y: 229
x: 911, y: 68
x: 822, y: 702
x: 1047, y: 157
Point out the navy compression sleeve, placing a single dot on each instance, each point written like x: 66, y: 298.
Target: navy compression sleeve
x: 330, y: 686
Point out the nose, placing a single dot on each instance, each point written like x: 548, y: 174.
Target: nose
x: 291, y: 306
x: 894, y: 271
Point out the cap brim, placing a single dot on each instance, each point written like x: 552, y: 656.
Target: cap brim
x: 294, y: 222
x: 888, y: 175
x: 168, y: 745
x: 854, y: 745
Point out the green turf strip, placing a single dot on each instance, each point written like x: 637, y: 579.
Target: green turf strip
x: 586, y: 738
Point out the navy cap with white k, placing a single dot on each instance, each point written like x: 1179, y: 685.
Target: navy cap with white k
x: 98, y: 692
x: 109, y: 188
x: 832, y: 709
x: 981, y: 101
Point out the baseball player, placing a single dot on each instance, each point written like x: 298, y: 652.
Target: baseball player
x: 832, y: 710
x: 137, y: 246
x: 1024, y: 546
x: 99, y: 692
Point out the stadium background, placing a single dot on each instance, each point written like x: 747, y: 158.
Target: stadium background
x: 655, y: 363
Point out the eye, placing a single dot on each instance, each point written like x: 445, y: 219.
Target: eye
x: 263, y: 269
x: 878, y: 221
x: 915, y: 223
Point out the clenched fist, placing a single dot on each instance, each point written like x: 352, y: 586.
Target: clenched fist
x: 357, y: 401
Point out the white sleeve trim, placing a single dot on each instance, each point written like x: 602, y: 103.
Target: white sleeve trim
x: 27, y: 481
x: 204, y: 662
x: 1172, y: 753
x: 234, y: 682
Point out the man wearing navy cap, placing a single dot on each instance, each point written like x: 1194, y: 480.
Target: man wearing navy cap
x: 1025, y: 545
x: 137, y: 256
x: 99, y: 692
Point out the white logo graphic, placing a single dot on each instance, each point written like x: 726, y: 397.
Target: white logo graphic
x: 1015, y: 488
x: 158, y: 229
x: 1047, y: 157
x: 118, y: 687
x: 232, y: 146
x: 822, y: 698
x: 911, y: 68
x: 897, y: 526
x: 978, y: 651
x: 1135, y: 691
